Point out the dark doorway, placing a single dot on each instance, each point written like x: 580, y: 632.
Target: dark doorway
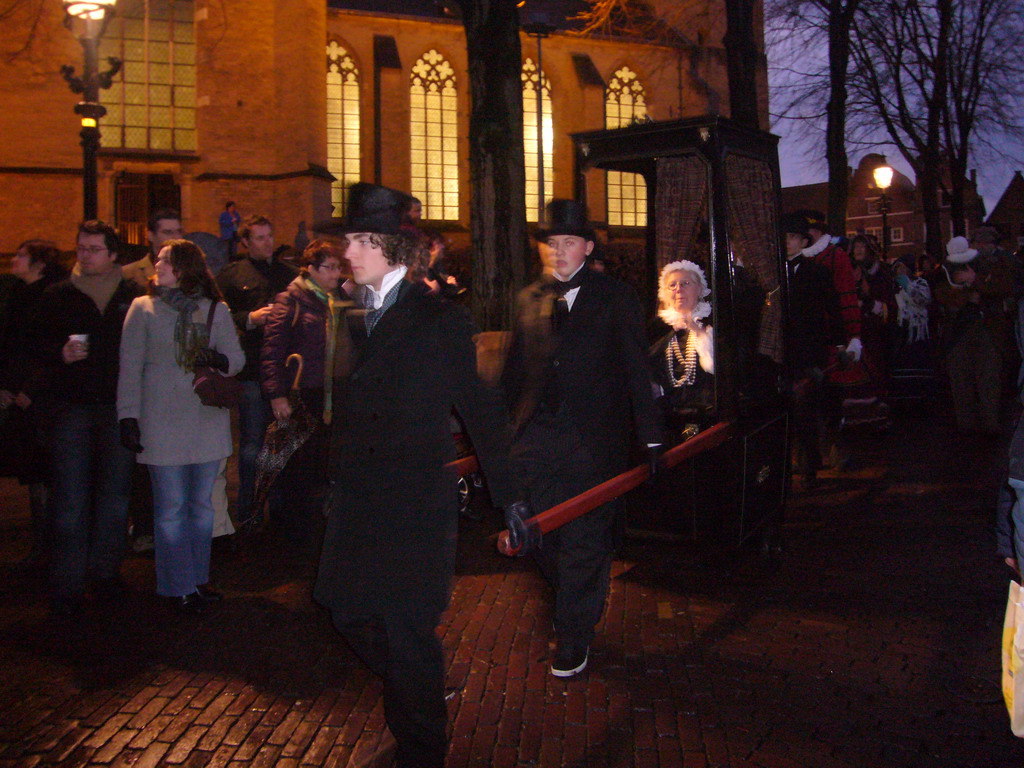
x: 136, y: 194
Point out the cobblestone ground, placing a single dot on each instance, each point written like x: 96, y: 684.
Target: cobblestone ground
x: 874, y: 642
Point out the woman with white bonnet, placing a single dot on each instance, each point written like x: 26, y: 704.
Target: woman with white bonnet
x: 682, y: 361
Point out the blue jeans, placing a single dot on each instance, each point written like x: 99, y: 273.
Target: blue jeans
x: 183, y: 525
x: 253, y: 418
x: 91, y: 489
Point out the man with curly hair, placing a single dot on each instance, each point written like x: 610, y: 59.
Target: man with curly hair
x: 389, y: 550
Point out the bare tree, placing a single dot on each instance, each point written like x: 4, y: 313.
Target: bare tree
x: 658, y: 24
x: 986, y: 89
x: 804, y: 29
x: 900, y: 82
x: 497, y: 166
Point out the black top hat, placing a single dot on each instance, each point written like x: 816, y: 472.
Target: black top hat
x: 815, y: 219
x: 371, y: 208
x: 794, y: 223
x: 565, y: 217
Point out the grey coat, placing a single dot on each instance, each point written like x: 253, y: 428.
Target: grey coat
x: 176, y: 428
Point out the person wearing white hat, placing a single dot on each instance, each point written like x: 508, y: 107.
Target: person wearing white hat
x: 970, y: 350
x: 682, y: 361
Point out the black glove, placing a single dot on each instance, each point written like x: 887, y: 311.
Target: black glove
x: 523, y: 537
x: 211, y: 358
x: 131, y: 438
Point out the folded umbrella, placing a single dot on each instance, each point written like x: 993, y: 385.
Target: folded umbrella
x: 281, y: 441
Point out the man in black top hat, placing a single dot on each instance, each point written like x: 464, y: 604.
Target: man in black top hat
x: 577, y: 368
x: 389, y: 549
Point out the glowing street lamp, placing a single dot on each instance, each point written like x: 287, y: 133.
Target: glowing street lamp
x: 87, y: 20
x: 883, y: 180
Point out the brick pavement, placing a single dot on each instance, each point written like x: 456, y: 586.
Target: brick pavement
x: 874, y: 642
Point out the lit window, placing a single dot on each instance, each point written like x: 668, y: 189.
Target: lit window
x: 152, y: 103
x: 433, y: 130
x: 627, y: 192
x: 342, y: 123
x: 875, y: 232
x: 896, y: 234
x: 530, y: 139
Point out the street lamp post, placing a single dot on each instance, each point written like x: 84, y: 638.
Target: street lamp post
x: 883, y: 180
x: 87, y: 21
x: 539, y: 30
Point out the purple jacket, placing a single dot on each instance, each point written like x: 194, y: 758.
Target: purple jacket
x: 297, y: 323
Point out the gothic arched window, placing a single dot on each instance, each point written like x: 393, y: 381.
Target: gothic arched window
x: 530, y: 81
x: 343, y: 151
x: 433, y: 135
x: 625, y: 102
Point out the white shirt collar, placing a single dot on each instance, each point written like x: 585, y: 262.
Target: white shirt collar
x: 570, y: 295
x: 570, y: 277
x: 390, y: 280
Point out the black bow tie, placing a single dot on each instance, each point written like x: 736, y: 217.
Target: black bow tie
x: 562, y: 287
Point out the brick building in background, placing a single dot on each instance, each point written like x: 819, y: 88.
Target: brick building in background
x: 1008, y: 213
x: 280, y: 104
x: 906, y: 215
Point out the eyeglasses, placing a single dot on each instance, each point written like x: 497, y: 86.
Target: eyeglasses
x: 93, y: 250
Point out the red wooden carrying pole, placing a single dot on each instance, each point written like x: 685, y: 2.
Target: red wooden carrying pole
x: 568, y: 510
x: 464, y: 466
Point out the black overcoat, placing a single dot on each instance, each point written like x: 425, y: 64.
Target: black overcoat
x: 390, y: 540
x: 599, y: 361
x: 814, y: 315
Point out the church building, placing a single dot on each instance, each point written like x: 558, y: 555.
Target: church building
x: 278, y: 105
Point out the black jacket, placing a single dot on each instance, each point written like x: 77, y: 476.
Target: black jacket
x: 248, y: 285
x: 390, y: 540
x: 598, y: 361
x: 64, y: 310
x: 814, y: 313
x: 17, y: 363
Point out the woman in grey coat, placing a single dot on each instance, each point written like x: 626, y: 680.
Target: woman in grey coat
x: 183, y: 441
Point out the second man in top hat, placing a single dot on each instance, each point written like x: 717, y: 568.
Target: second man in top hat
x: 577, y: 368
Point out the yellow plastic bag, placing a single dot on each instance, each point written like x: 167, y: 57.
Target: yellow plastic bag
x: 1013, y: 658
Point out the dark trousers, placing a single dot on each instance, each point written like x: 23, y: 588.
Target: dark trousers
x: 808, y: 419
x: 576, y: 558
x: 253, y: 418
x: 92, y: 482
x: 401, y: 648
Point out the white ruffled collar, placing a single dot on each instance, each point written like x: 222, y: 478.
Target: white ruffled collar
x: 813, y: 250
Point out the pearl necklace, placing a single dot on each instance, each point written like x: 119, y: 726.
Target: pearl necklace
x: 675, y: 356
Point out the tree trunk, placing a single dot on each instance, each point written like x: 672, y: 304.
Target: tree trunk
x: 957, y: 191
x: 741, y: 61
x: 498, y: 178
x: 932, y: 157
x: 835, y: 133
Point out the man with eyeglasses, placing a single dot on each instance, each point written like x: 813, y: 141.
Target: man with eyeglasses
x: 76, y: 340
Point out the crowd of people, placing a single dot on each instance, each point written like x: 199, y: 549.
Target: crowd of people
x: 866, y: 331
x: 362, y: 334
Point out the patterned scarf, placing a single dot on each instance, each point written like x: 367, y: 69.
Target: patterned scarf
x: 189, y: 336
x: 330, y: 337
x: 373, y: 315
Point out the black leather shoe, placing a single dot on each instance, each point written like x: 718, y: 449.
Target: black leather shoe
x: 191, y: 604
x: 570, y: 659
x: 209, y: 595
